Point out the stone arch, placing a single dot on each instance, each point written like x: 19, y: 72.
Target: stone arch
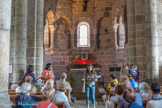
x: 62, y: 35
x: 89, y: 21
x: 49, y: 31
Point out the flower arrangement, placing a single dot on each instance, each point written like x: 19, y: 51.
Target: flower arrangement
x: 70, y: 79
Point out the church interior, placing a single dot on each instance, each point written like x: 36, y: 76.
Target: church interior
x: 70, y: 34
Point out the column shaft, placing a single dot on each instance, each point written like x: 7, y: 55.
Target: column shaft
x: 5, y: 23
x: 19, y: 67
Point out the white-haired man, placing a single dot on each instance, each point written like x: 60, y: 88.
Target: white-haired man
x: 122, y: 102
x: 67, y: 84
x: 24, y: 99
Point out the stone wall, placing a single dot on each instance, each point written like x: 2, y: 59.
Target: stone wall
x: 144, y: 36
x: 136, y: 38
x: 107, y: 20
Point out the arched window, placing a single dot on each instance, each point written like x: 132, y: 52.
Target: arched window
x: 83, y: 31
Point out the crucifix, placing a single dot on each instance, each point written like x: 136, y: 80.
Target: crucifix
x: 85, y: 5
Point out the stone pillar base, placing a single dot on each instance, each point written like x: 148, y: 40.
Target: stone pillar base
x: 5, y: 100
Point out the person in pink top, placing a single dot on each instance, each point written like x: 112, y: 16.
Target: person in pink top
x: 47, y: 73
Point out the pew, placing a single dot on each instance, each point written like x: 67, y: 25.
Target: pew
x: 14, y: 93
x: 137, y: 91
x: 59, y: 104
x: 11, y: 90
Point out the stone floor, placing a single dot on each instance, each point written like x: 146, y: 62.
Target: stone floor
x: 82, y: 104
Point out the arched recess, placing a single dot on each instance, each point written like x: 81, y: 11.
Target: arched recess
x: 119, y: 30
x: 49, y: 31
x: 104, y: 32
x: 111, y: 32
x: 62, y: 35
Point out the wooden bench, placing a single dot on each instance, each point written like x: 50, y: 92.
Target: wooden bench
x: 15, y: 93
x: 144, y: 103
x: 59, y: 104
x: 11, y: 90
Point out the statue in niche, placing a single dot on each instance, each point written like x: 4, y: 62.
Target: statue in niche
x: 119, y: 30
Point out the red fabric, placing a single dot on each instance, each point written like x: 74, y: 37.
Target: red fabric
x: 46, y: 73
x: 44, y: 104
x: 90, y: 76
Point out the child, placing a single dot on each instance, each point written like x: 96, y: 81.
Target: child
x: 90, y: 77
x: 112, y: 89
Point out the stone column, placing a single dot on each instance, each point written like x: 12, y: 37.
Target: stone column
x: 5, y: 23
x: 159, y: 27
x: 116, y: 25
x: 140, y: 38
x: 39, y: 37
x: 131, y: 32
x: 51, y: 29
x: 19, y: 67
x: 152, y: 39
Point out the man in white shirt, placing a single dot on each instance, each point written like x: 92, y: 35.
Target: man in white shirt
x: 60, y: 95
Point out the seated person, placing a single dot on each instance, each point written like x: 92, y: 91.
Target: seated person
x: 133, y: 72
x: 115, y: 82
x: 60, y: 95
x: 119, y: 92
x: 156, y: 100
x: 30, y: 73
x: 122, y: 103
x: 24, y: 99
x: 47, y: 93
x: 145, y: 91
x: 18, y: 88
x: 34, y: 90
x: 63, y: 80
x: 134, y: 83
x: 124, y: 78
x: 49, y: 83
x: 130, y: 96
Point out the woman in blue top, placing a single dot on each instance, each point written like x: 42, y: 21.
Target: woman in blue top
x: 90, y: 77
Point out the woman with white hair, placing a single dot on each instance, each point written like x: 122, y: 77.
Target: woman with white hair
x: 47, y: 93
x: 145, y: 91
x: 49, y: 83
x: 24, y: 99
x: 33, y: 90
x: 61, y: 97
